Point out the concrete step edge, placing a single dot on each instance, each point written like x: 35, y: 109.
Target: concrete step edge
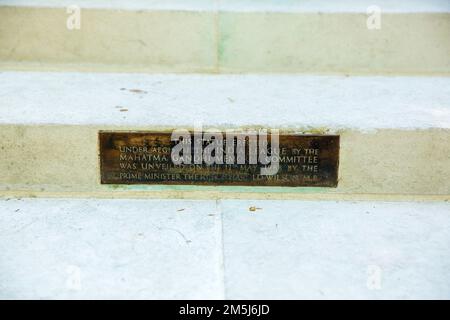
x: 394, y: 131
x: 324, y: 6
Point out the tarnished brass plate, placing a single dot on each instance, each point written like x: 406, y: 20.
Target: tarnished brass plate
x: 145, y: 158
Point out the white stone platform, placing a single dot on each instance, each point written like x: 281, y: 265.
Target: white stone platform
x: 175, y: 249
x: 364, y: 103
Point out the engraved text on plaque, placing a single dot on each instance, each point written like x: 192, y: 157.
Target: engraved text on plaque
x: 140, y: 157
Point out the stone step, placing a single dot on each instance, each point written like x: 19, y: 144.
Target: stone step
x: 178, y: 249
x: 212, y: 36
x: 394, y: 131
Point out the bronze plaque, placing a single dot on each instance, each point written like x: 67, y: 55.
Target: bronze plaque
x: 145, y: 158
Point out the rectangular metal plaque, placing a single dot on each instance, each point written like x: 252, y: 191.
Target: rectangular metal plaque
x: 145, y: 158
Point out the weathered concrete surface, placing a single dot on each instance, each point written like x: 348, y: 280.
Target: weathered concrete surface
x: 152, y: 249
x: 108, y: 40
x: 207, y: 36
x: 63, y: 160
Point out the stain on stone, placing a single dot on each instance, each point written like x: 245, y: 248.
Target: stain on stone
x: 137, y: 91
